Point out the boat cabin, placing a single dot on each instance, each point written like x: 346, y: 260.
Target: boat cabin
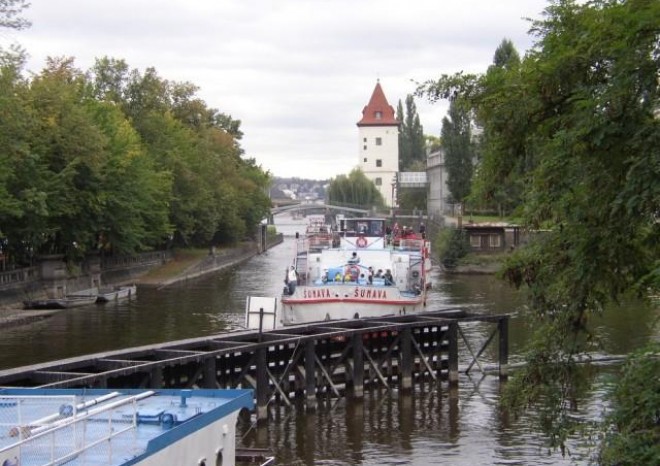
x: 351, y: 227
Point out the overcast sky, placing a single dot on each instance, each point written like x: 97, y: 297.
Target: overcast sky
x: 296, y: 73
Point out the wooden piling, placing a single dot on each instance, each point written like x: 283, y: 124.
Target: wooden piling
x: 503, y: 329
x: 310, y: 374
x: 406, y: 368
x: 358, y: 366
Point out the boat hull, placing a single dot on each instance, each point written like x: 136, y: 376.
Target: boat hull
x: 122, y: 292
x: 60, y: 303
x: 317, y: 304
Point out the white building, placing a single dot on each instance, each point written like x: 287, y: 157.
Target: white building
x: 379, y: 144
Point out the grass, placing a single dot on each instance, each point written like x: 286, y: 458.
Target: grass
x: 489, y: 219
x: 183, y: 259
x: 483, y: 259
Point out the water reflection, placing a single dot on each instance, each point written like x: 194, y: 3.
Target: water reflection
x: 433, y: 426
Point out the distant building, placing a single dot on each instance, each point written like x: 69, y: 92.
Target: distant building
x: 493, y: 237
x: 379, y: 144
x: 438, y: 192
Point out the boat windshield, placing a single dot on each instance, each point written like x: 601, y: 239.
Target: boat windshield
x: 363, y: 227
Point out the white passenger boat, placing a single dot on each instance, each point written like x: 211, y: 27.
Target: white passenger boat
x: 122, y: 427
x: 355, y: 272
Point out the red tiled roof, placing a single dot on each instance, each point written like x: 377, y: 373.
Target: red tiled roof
x: 378, y: 111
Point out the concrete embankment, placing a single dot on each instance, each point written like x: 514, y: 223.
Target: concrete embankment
x: 185, y: 265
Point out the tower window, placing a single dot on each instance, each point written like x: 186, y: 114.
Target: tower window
x: 364, y: 147
x: 379, y: 162
x: 364, y: 140
x: 365, y: 160
x: 378, y: 181
x: 378, y: 115
x: 379, y: 141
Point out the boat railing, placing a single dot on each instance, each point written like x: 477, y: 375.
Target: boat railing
x: 71, y: 429
x: 410, y: 244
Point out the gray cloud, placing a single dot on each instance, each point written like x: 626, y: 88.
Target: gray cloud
x: 297, y: 73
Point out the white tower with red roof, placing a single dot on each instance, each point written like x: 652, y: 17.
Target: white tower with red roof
x: 379, y: 144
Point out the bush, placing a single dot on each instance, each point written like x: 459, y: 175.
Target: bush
x: 450, y: 246
x: 271, y: 231
x: 634, y: 437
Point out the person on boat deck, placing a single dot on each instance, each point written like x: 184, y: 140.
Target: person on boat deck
x: 362, y: 280
x: 338, y: 277
x: 292, y: 278
x: 348, y: 277
x: 354, y: 259
x: 379, y: 274
x: 389, y: 279
x: 324, y: 277
x: 370, y: 275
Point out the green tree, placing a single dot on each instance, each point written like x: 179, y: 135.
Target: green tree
x: 577, y: 125
x: 15, y: 132
x: 135, y: 195
x: 506, y: 55
x: 354, y: 190
x: 459, y: 150
x: 109, y: 79
x: 410, y: 199
x: 635, y: 435
x: 10, y: 14
x: 70, y: 147
x: 503, y: 144
x: 595, y: 159
x: 118, y: 160
x: 412, y: 145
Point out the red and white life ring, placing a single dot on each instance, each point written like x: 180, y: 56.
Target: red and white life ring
x: 361, y: 242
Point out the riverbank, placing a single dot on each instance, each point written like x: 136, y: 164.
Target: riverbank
x: 186, y: 264
x: 192, y: 263
x: 477, y: 264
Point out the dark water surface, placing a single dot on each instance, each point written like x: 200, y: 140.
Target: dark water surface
x: 431, y: 426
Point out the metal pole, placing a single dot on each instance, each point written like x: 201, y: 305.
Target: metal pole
x: 261, y: 323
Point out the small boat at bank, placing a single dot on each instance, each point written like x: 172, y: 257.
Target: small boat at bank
x: 359, y: 271
x: 76, y: 299
x: 121, y: 427
x: 116, y: 293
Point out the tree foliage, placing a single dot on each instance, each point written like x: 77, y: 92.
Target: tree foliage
x: 354, y: 190
x: 412, y: 154
x: 574, y: 129
x: 412, y: 144
x: 459, y: 150
x: 635, y: 418
x: 10, y: 14
x: 118, y: 161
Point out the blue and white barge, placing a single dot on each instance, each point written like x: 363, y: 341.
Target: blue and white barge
x: 120, y: 427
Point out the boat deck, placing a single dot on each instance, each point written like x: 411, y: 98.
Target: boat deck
x: 104, y: 427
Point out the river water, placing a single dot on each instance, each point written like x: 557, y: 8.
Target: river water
x: 430, y: 426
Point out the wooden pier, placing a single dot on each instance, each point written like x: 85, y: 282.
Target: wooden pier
x: 334, y: 359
